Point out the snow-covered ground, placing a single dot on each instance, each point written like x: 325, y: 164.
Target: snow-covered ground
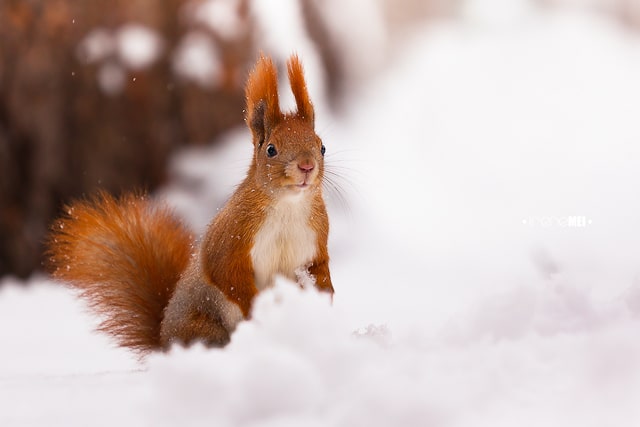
x: 486, y: 264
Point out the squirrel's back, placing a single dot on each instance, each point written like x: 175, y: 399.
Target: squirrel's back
x: 125, y: 256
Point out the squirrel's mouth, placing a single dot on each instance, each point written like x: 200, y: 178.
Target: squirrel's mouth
x: 302, y: 181
x: 302, y: 186
x: 308, y: 180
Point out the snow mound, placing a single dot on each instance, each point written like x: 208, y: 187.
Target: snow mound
x: 297, y: 363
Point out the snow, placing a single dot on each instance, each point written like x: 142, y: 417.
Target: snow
x: 497, y: 12
x: 197, y: 59
x: 96, y: 45
x: 138, y: 46
x: 221, y: 16
x: 486, y: 266
x: 357, y: 31
x: 132, y: 47
x: 112, y: 78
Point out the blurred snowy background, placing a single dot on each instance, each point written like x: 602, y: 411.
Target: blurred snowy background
x: 485, y: 233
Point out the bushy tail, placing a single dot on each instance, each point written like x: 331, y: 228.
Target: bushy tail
x: 125, y: 256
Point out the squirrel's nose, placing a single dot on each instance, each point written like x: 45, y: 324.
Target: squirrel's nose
x: 305, y: 166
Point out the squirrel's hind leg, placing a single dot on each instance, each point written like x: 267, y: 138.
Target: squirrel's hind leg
x: 198, y: 312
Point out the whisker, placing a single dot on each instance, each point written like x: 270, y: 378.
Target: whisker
x: 336, y: 194
x: 339, y: 185
x: 341, y: 151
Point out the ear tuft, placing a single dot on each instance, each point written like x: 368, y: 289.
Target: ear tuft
x: 299, y: 88
x: 263, y: 107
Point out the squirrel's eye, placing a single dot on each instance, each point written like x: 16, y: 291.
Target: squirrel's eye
x: 322, y: 149
x: 271, y: 150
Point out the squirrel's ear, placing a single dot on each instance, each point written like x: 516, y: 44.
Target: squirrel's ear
x: 263, y: 108
x: 299, y: 88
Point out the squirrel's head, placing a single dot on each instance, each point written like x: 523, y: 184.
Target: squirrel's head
x: 288, y: 154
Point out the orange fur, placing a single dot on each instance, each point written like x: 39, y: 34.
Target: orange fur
x: 125, y: 256
x: 132, y: 260
x: 263, y: 105
x: 299, y: 88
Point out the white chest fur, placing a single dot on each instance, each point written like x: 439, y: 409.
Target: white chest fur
x: 285, y: 242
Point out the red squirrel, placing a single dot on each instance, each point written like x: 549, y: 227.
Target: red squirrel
x: 137, y: 265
